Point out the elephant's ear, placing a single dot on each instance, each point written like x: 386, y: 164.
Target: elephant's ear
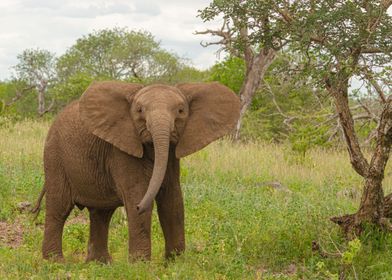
x: 105, y: 111
x: 213, y: 112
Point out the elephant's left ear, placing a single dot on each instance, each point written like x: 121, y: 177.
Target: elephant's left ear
x: 213, y: 112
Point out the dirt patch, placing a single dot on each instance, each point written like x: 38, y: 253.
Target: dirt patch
x: 262, y: 272
x: 11, y: 234
x: 79, y: 219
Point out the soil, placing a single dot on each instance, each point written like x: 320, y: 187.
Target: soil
x: 11, y: 234
x: 79, y: 219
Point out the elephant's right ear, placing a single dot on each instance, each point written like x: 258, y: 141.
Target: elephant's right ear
x: 105, y: 110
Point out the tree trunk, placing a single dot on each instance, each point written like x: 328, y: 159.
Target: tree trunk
x: 255, y: 72
x: 41, y: 102
x: 374, y: 208
x: 42, y: 89
x: 371, y: 208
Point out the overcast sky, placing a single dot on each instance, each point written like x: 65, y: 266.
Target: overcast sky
x: 56, y: 24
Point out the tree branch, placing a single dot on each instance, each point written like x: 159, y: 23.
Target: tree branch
x: 339, y: 92
x: 376, y: 86
x: 18, y: 95
x: 287, y: 119
x: 225, y: 33
x: 48, y: 109
x: 384, y: 140
x: 289, y: 19
x: 370, y: 50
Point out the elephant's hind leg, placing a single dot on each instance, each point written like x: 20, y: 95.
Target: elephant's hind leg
x: 99, y: 230
x: 58, y: 207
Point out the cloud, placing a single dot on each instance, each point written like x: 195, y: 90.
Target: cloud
x: 76, y: 9
x: 147, y: 7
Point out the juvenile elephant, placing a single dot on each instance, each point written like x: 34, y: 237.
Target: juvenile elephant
x: 120, y: 145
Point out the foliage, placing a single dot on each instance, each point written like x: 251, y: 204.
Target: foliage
x: 188, y: 74
x: 354, y: 247
x: 308, y: 135
x: 119, y: 54
x: 230, y: 72
x: 25, y: 105
x: 71, y: 88
x: 339, y: 35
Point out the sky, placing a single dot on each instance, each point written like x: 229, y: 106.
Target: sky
x: 55, y: 25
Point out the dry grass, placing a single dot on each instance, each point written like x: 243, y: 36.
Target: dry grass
x: 23, y: 141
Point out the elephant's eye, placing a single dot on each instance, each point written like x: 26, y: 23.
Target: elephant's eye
x: 180, y: 111
x: 139, y: 110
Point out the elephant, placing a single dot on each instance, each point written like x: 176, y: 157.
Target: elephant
x: 120, y: 144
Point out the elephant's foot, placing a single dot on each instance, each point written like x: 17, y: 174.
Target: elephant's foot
x: 139, y: 256
x: 54, y: 257
x: 171, y: 253
x: 101, y: 258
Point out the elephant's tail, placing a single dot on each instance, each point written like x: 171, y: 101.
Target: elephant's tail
x: 37, y: 206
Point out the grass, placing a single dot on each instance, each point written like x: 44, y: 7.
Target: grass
x: 236, y: 226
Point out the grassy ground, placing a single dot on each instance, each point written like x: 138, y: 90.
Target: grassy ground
x: 237, y: 227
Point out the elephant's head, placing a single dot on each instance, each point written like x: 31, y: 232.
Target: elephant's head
x: 189, y: 116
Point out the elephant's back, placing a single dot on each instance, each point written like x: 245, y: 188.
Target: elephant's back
x: 66, y: 133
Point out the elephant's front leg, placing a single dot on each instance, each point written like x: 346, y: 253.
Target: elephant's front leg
x: 131, y: 182
x: 139, y: 228
x: 171, y: 216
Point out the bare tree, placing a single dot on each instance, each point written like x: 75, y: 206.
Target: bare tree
x: 37, y: 68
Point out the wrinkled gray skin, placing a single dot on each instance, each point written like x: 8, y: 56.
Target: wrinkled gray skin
x: 119, y: 145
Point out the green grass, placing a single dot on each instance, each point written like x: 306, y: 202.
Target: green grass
x: 236, y: 228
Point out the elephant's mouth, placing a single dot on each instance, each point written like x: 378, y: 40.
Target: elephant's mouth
x: 145, y: 135
x: 174, y: 137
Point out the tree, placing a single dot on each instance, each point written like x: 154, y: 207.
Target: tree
x: 36, y: 67
x: 119, y: 54
x: 342, y: 40
x: 250, y: 31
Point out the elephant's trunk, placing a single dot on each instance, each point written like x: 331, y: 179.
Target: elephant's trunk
x: 160, y: 132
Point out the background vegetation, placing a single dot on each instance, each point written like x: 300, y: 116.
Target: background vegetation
x: 287, y: 107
